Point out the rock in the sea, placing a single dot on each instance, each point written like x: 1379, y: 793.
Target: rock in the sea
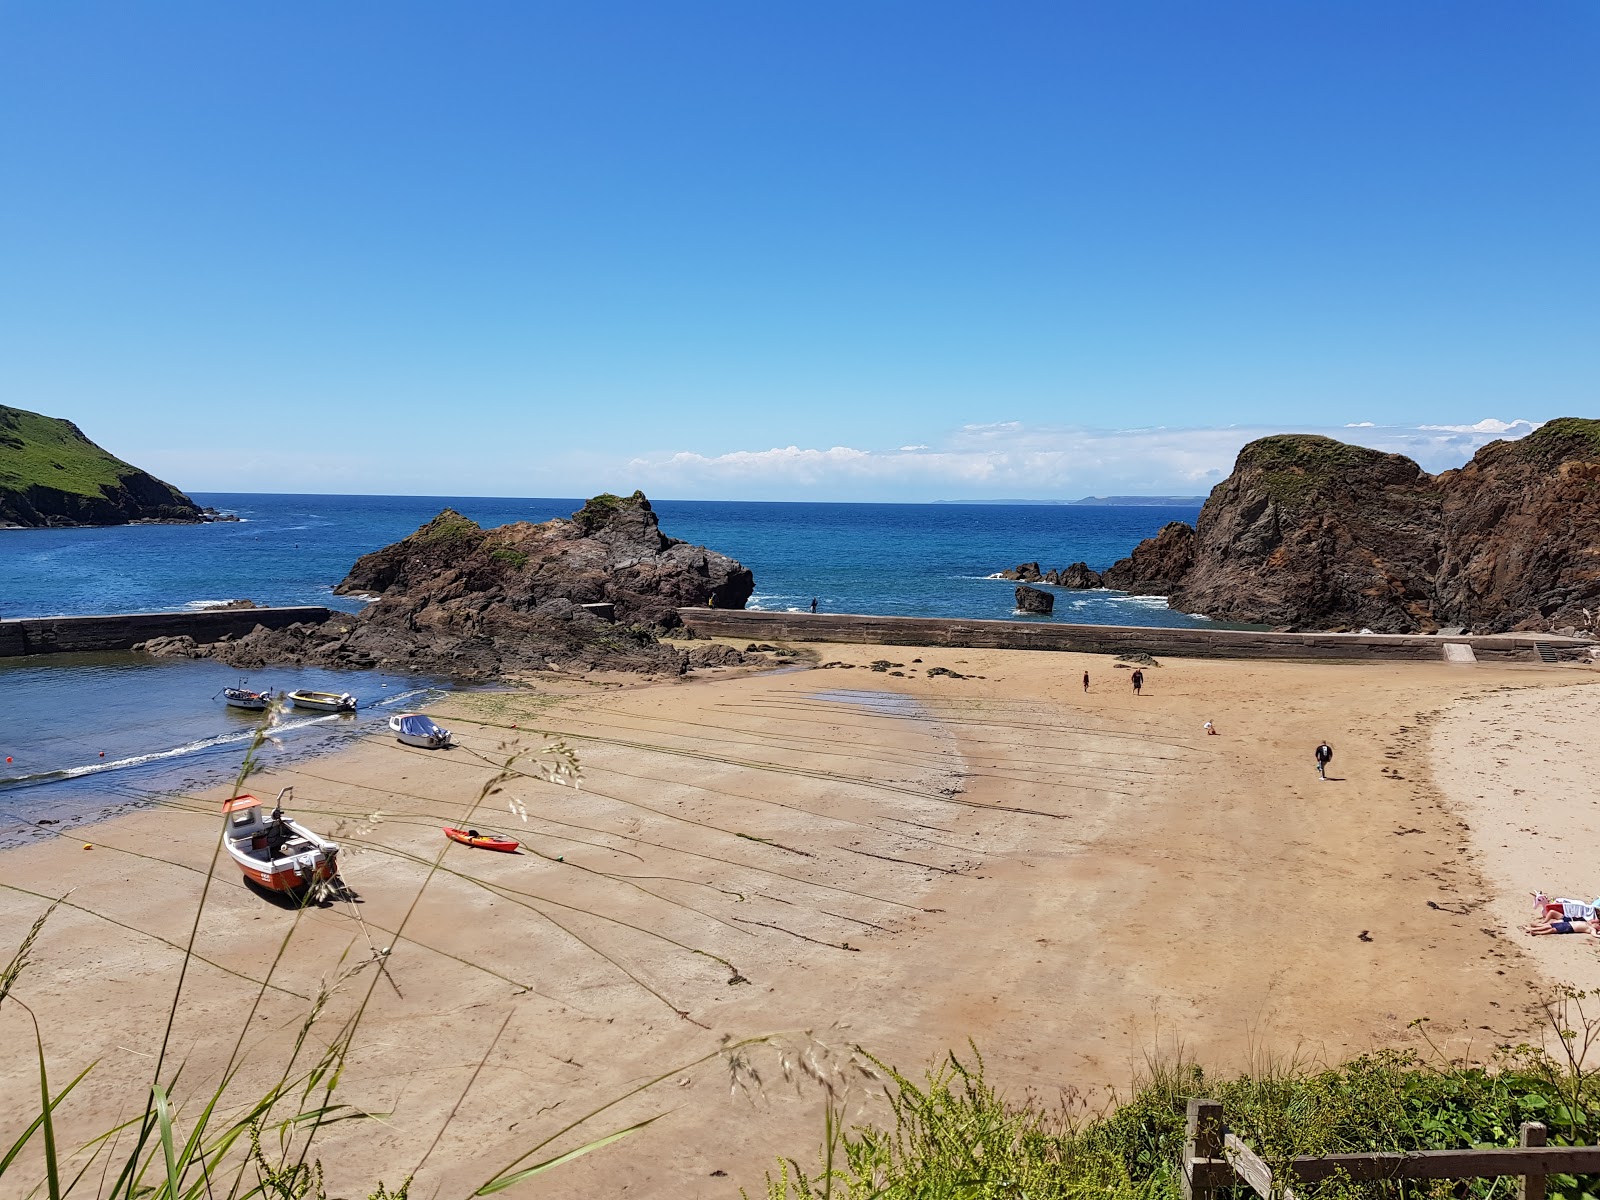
x: 1027, y: 572
x: 1310, y: 533
x: 1032, y: 600
x: 472, y: 603
x: 1078, y: 575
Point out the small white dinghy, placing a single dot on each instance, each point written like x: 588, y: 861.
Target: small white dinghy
x: 324, y: 701
x: 243, y: 697
x: 276, y: 852
x: 414, y: 729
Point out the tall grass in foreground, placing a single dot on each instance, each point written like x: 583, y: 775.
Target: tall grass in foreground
x: 954, y: 1135
x: 220, y: 1145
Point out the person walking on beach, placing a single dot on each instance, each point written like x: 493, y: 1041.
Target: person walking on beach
x: 813, y: 604
x: 1138, y: 683
x: 1086, y: 681
x: 1324, y: 757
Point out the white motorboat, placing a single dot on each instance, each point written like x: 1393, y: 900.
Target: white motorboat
x: 415, y: 729
x: 323, y: 701
x: 243, y: 697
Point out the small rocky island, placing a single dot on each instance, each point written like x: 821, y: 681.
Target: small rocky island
x: 470, y: 603
x: 1309, y: 533
x: 52, y: 475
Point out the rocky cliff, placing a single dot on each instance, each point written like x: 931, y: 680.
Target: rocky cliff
x: 456, y: 599
x: 51, y: 474
x: 1310, y: 533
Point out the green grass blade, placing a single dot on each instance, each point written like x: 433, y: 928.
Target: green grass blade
x: 164, y: 1121
x: 502, y: 1182
x: 47, y: 1116
x: 27, y: 1134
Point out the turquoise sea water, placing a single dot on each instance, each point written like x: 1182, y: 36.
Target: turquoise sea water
x: 161, y: 726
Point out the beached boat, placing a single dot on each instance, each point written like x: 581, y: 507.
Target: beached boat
x: 324, y: 701
x: 275, y: 851
x: 243, y: 697
x: 482, y: 841
x: 414, y: 729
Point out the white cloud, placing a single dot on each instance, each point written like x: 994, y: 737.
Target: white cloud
x: 1514, y: 429
x: 1013, y: 459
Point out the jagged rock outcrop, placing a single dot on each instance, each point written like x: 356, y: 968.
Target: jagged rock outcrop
x: 1156, y: 565
x: 473, y: 603
x: 1032, y: 600
x: 1520, y: 533
x: 52, y: 475
x: 1310, y: 533
x: 1027, y: 572
x: 1079, y: 575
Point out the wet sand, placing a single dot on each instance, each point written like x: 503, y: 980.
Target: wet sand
x: 1071, y: 880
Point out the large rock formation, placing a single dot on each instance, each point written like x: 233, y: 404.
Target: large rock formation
x: 1079, y: 575
x: 1156, y: 565
x: 473, y: 603
x: 50, y: 474
x: 1310, y: 533
x: 1032, y: 600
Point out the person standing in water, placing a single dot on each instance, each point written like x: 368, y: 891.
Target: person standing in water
x: 813, y: 604
x: 1324, y: 757
x: 1138, y: 683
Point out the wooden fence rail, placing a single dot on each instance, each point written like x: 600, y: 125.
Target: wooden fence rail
x: 1214, y: 1158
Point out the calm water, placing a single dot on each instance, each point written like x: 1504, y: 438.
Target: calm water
x: 923, y: 560
x: 162, y: 727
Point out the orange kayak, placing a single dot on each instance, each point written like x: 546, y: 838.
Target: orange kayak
x: 483, y: 841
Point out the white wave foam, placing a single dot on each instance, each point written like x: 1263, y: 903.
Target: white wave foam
x: 1143, y: 601
x: 201, y: 605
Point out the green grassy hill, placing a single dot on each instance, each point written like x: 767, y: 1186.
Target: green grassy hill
x: 50, y: 474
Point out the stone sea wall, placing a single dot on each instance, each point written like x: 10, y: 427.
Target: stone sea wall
x: 122, y: 631
x: 1113, y: 639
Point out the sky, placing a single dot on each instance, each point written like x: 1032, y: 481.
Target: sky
x: 831, y: 251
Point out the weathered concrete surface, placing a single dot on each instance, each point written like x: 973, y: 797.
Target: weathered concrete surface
x: 1112, y: 639
x: 121, y: 631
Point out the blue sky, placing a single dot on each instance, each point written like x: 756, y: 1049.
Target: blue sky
x: 754, y: 250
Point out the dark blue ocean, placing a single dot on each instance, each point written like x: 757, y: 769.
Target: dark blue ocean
x: 889, y: 559
x: 87, y: 733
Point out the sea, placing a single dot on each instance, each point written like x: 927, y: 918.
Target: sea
x: 83, y: 735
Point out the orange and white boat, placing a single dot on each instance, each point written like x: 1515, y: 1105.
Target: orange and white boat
x: 275, y: 851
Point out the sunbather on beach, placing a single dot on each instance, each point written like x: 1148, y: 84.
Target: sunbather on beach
x: 1541, y: 928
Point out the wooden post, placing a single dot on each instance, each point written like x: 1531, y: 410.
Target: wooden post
x: 1531, y: 1187
x: 1202, y: 1142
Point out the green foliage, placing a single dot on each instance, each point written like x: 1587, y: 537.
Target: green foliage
x: 44, y: 451
x: 448, y: 528
x: 1292, y: 468
x: 1561, y: 439
x: 600, y: 510
x: 515, y: 559
x: 955, y: 1136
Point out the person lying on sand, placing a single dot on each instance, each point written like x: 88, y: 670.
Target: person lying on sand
x: 1561, y: 908
x: 1541, y: 928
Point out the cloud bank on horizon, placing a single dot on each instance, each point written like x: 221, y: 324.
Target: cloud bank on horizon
x: 1011, y: 459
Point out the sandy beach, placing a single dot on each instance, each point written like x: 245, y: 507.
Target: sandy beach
x: 902, y: 862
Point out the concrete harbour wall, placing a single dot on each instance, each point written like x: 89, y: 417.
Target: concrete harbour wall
x: 1113, y: 639
x: 122, y: 631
